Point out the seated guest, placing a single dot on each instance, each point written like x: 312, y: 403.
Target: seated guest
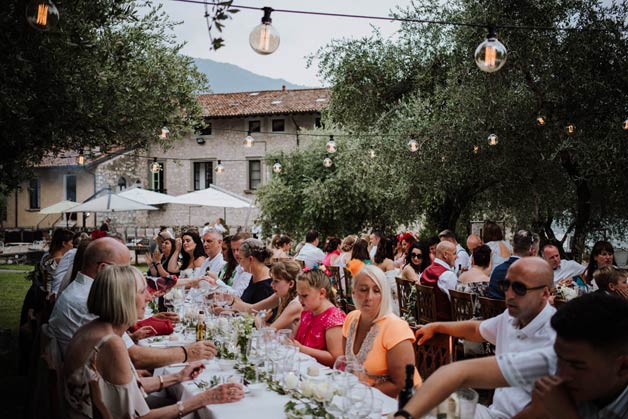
x: 346, y: 247
x: 583, y: 376
x: 228, y: 270
x: 494, y: 238
x: 332, y: 248
x: 376, y: 337
x: 416, y: 262
x: 440, y: 276
x: 320, y: 330
x: 360, y: 251
x: 100, y: 380
x: 285, y: 298
x: 383, y: 257
x: 253, y: 255
x: 463, y: 261
x: 473, y: 241
x: 602, y: 255
x: 310, y: 254
x: 281, y: 247
x: 160, y: 260
x: 564, y: 270
x: 611, y: 280
x: 190, y: 247
x: 525, y: 243
x: 476, y: 279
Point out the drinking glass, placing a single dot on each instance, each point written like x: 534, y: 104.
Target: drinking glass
x: 284, y: 335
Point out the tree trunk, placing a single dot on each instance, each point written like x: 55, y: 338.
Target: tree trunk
x: 583, y: 206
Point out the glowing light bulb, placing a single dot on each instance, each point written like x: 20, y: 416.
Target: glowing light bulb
x: 219, y: 167
x: 277, y: 167
x: 327, y: 162
x: 80, y: 159
x: 331, y: 145
x: 372, y: 153
x: 491, y: 54
x: 540, y: 120
x: 264, y: 38
x: 413, y: 145
x: 492, y: 139
x: 570, y: 128
x: 42, y: 15
x: 155, y: 167
x: 164, y: 133
x: 476, y: 149
x: 626, y: 125
x: 248, y: 141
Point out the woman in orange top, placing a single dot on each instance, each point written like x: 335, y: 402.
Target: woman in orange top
x: 377, y: 338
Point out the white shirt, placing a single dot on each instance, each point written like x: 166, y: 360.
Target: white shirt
x: 447, y: 280
x: 566, y: 269
x: 65, y: 265
x: 70, y: 311
x: 310, y: 255
x: 240, y: 281
x: 372, y: 252
x: 503, y: 332
x: 215, y: 264
x: 463, y: 260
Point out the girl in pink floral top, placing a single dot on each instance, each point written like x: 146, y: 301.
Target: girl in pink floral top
x: 320, y: 331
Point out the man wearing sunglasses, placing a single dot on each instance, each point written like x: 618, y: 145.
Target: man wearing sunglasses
x: 524, y: 326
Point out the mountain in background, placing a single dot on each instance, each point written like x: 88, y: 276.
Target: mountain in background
x: 229, y: 78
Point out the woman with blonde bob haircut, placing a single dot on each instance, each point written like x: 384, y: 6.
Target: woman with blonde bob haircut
x: 100, y: 380
x: 376, y: 337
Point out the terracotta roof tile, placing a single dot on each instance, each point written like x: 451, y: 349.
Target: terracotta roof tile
x: 267, y: 102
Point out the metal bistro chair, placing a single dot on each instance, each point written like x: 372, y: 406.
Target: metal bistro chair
x: 404, y: 292
x: 425, y: 304
x: 347, y: 283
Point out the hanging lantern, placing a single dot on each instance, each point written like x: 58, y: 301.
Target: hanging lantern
x: 277, y: 167
x: 492, y: 139
x: 80, y: 160
x: 540, y: 120
x: 219, y: 167
x: 248, y: 141
x: 327, y: 162
x: 155, y: 167
x: 331, y: 145
x: 164, y: 133
x: 476, y: 149
x: 372, y: 153
x: 42, y: 15
x: 264, y: 38
x: 491, y: 54
x: 570, y: 128
x: 413, y: 145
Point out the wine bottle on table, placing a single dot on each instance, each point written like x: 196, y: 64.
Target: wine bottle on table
x: 408, y: 389
x: 201, y: 328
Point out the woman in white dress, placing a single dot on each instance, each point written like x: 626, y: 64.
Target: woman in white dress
x: 190, y: 247
x: 494, y: 238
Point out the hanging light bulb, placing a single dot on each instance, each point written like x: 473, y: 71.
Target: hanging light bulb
x: 155, y: 167
x: 219, y: 167
x: 626, y: 125
x: 248, y: 141
x: 570, y: 128
x: 372, y: 153
x: 492, y: 139
x: 540, y: 120
x: 443, y: 158
x: 491, y: 54
x: 264, y: 38
x: 331, y: 145
x: 80, y: 160
x: 277, y: 167
x: 164, y: 133
x: 42, y: 15
x: 476, y: 149
x: 327, y: 162
x: 413, y: 145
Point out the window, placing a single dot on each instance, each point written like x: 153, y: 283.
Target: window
x: 33, y: 193
x: 255, y: 126
x: 203, y: 174
x: 70, y: 187
x: 279, y: 125
x: 207, y: 130
x: 255, y: 174
x: 157, y: 179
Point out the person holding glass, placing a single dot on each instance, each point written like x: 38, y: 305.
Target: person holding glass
x: 192, y: 253
x: 160, y: 260
x: 375, y: 337
x: 99, y: 377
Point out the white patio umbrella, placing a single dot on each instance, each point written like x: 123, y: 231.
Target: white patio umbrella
x: 147, y: 197
x: 214, y: 197
x: 59, y: 207
x: 111, y: 203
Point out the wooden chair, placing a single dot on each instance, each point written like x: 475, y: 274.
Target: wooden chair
x: 432, y: 354
x: 425, y: 304
x: 462, y: 307
x: 348, y: 290
x: 490, y: 307
x: 336, y: 281
x: 404, y: 291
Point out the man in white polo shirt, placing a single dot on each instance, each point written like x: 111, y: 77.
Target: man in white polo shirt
x: 563, y: 269
x: 522, y: 327
x: 310, y: 254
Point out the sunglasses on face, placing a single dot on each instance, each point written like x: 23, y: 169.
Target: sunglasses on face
x: 417, y: 255
x: 518, y: 288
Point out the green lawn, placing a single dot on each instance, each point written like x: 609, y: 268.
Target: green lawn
x: 18, y: 267
x: 13, y: 288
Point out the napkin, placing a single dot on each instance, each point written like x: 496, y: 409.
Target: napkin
x: 161, y: 326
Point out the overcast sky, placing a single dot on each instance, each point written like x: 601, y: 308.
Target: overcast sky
x: 301, y: 35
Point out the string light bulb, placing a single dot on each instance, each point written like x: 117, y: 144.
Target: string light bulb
x: 372, y: 153
x: 155, y: 167
x: 570, y: 128
x: 264, y: 38
x: 331, y: 145
x: 491, y: 54
x: 327, y: 162
x: 492, y: 139
x: 219, y: 167
x: 277, y: 167
x: 476, y: 149
x: 80, y: 160
x: 164, y: 133
x: 42, y: 15
x: 248, y: 141
x: 413, y: 145
x: 626, y: 125
x: 540, y: 120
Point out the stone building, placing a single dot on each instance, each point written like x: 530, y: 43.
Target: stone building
x: 272, y: 118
